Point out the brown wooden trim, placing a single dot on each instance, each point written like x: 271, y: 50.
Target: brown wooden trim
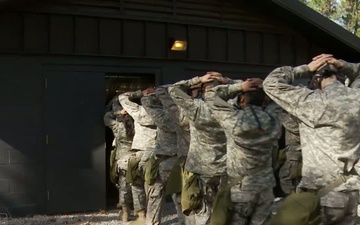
x: 137, y: 58
x: 255, y: 27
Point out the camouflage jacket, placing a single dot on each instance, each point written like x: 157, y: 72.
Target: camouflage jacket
x: 207, y: 151
x: 166, y: 143
x: 329, y: 125
x: 145, y: 128
x: 122, y: 144
x: 251, y: 133
x: 352, y: 72
x: 292, y: 136
x: 181, y: 123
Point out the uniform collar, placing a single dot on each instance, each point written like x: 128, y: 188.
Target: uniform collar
x: 333, y: 83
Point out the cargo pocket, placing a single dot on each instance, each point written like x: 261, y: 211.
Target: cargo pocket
x: 333, y: 207
x: 244, y: 202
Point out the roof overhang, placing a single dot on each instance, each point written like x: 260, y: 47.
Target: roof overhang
x: 321, y: 22
x: 316, y: 28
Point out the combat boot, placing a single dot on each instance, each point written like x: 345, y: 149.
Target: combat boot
x: 140, y: 220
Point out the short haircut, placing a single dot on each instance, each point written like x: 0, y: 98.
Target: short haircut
x: 256, y: 97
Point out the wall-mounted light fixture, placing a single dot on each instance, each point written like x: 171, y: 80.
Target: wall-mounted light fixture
x: 178, y: 45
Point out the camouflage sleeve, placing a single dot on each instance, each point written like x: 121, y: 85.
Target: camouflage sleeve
x: 234, y: 81
x: 350, y: 70
x: 157, y: 113
x: 188, y: 106
x: 134, y: 95
x: 131, y: 107
x: 110, y: 121
x: 297, y: 100
x: 188, y: 83
x: 289, y: 122
x: 136, y: 111
x: 275, y: 110
x: 223, y: 111
x: 163, y: 95
x: 217, y: 97
x: 169, y: 105
x: 225, y: 92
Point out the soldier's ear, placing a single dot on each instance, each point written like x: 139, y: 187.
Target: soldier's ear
x: 242, y: 100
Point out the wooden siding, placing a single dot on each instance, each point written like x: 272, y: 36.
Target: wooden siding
x: 218, y: 31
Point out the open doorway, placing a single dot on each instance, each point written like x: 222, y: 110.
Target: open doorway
x: 118, y: 83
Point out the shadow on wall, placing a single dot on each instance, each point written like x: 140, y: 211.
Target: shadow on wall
x: 28, y: 170
x: 23, y: 186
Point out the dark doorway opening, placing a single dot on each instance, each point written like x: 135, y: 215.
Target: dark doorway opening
x: 118, y: 83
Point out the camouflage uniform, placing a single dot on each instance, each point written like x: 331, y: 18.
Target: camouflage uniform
x: 165, y: 152
x: 329, y: 125
x: 143, y: 143
x: 183, y: 142
x: 354, y: 83
x: 123, y: 146
x: 207, y: 151
x: 288, y: 173
x: 182, y: 128
x: 251, y: 133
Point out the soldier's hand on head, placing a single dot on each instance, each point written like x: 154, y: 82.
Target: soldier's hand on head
x: 223, y: 80
x: 319, y: 62
x: 148, y: 91
x: 322, y: 55
x: 251, y: 84
x: 210, y: 76
x: 335, y: 62
x: 123, y: 112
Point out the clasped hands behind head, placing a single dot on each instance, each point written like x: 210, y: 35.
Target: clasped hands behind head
x: 324, y: 69
x: 211, y: 79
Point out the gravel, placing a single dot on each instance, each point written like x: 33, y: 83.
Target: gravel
x: 97, y: 218
x: 110, y: 217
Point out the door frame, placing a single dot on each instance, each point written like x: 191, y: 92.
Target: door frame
x: 105, y: 69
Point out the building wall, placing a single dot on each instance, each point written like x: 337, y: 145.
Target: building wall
x: 107, y: 36
x: 219, y: 32
x: 21, y: 146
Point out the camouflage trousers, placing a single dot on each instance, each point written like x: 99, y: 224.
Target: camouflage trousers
x: 289, y: 172
x: 125, y: 194
x: 209, y: 187
x: 251, y: 206
x: 138, y: 186
x: 156, y: 193
x: 339, y: 208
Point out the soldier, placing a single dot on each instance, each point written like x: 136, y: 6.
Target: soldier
x: 183, y: 143
x: 122, y: 126
x: 207, y: 153
x: 182, y: 129
x: 329, y: 125
x: 165, y: 153
x: 142, y: 147
x: 252, y: 128
x: 354, y: 83
x: 289, y: 173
